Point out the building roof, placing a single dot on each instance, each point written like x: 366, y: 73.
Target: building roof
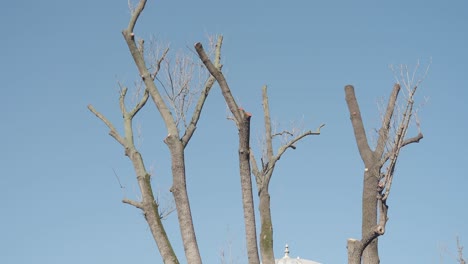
x: 288, y: 260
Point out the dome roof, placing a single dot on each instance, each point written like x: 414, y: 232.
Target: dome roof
x: 288, y: 260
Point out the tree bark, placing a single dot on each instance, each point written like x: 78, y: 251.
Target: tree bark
x: 376, y: 186
x: 179, y: 191
x: 151, y: 210
x: 369, y: 215
x: 266, y: 233
x: 242, y: 120
x: 371, y: 177
x: 246, y: 186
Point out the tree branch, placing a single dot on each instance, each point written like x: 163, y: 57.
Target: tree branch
x: 282, y: 133
x: 158, y: 63
x: 135, y: 14
x: 407, y: 141
x: 384, y: 130
x: 222, y: 83
x: 134, y: 203
x: 271, y: 164
x: 145, y: 74
x: 266, y: 113
x: 140, y: 104
x: 123, y: 93
x: 358, y: 126
x: 113, y: 132
x: 255, y: 171
x: 203, y: 95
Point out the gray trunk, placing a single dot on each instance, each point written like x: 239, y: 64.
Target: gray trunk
x: 266, y: 233
x: 179, y: 191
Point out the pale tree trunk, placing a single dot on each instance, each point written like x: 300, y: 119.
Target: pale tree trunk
x: 242, y: 120
x: 263, y: 177
x: 377, y: 182
x: 266, y: 232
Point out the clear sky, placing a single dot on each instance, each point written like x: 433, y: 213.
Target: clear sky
x: 61, y: 202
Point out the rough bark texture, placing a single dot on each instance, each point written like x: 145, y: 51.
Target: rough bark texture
x: 377, y: 183
x: 242, y: 120
x: 369, y: 214
x: 181, y: 199
x: 266, y: 233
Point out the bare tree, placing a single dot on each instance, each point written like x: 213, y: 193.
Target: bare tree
x: 177, y: 95
x: 264, y: 173
x: 379, y: 164
x: 242, y: 120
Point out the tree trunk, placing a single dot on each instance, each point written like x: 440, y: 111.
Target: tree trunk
x: 242, y: 120
x: 371, y: 177
x: 246, y: 186
x: 266, y: 233
x: 150, y: 208
x: 369, y: 215
x: 179, y: 191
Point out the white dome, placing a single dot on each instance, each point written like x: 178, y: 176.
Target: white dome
x: 288, y: 260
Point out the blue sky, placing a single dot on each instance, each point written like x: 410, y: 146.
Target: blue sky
x: 62, y: 202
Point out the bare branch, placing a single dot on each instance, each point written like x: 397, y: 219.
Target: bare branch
x: 268, y: 135
x: 135, y: 14
x: 358, y: 126
x: 134, y: 203
x: 163, y: 214
x: 384, y: 130
x: 255, y: 171
x: 204, y: 94
x: 113, y: 132
x: 290, y: 144
x: 408, y: 141
x: 222, y: 83
x: 123, y: 93
x: 284, y: 132
x: 158, y: 64
x: 140, y: 105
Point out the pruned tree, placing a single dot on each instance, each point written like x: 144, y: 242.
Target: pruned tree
x: 265, y: 171
x: 242, y: 120
x: 177, y: 94
x: 380, y: 162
